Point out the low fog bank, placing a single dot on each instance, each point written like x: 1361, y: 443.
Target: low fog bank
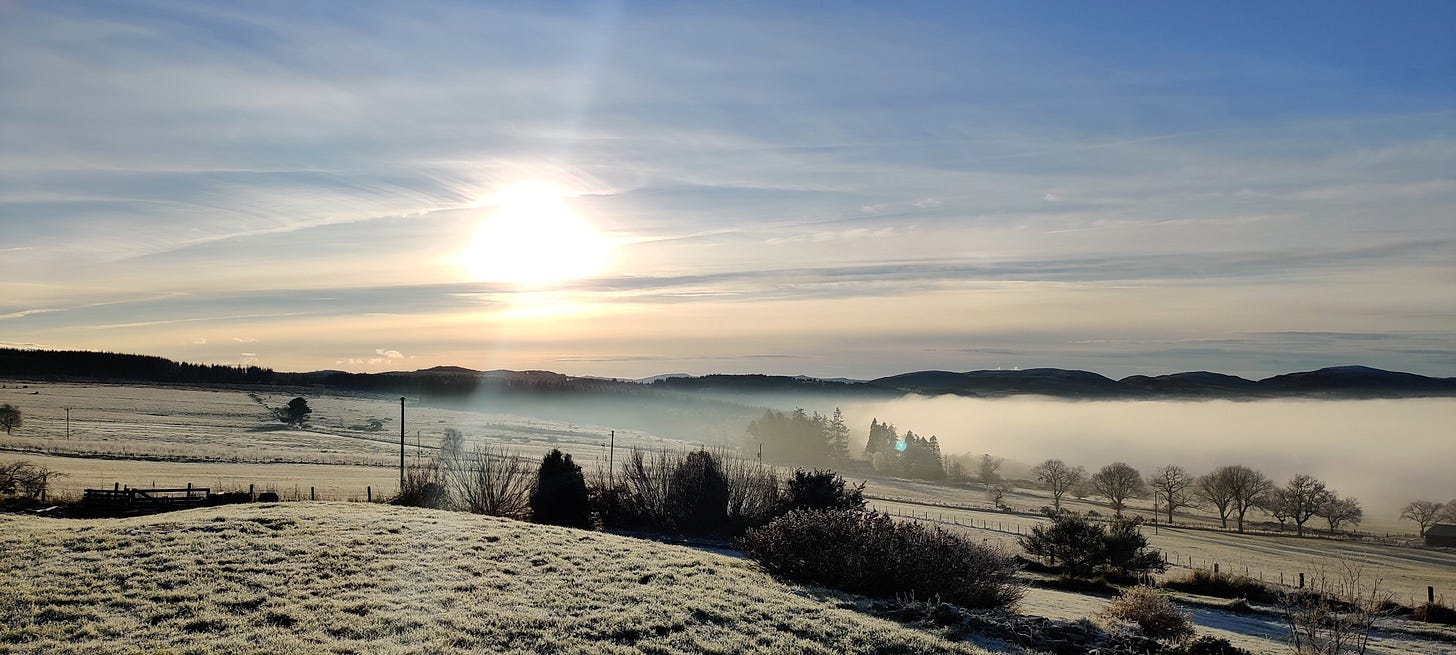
x: 1384, y: 452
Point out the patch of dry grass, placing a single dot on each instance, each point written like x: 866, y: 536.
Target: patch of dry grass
x: 352, y: 578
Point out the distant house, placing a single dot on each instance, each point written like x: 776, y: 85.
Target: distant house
x: 1441, y: 534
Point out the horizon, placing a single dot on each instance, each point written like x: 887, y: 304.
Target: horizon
x: 626, y: 189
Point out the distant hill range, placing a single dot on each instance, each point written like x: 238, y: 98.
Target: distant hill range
x: 1335, y: 382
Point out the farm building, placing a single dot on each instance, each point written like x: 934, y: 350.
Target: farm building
x: 1441, y: 534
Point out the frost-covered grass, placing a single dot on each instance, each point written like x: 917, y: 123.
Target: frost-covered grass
x: 357, y: 578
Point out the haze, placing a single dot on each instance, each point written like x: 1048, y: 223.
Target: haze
x: 1381, y: 451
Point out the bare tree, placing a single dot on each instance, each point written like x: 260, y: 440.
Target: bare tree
x: 987, y: 467
x: 1302, y: 498
x: 1214, y: 489
x: 1424, y: 512
x: 1276, y: 505
x: 1058, y: 477
x: 1449, y: 514
x: 1174, y: 486
x: 26, y: 479
x: 1244, y: 487
x: 1118, y: 482
x: 996, y: 493
x: 10, y: 417
x: 1338, y: 511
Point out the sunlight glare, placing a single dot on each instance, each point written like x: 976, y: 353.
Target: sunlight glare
x: 533, y: 238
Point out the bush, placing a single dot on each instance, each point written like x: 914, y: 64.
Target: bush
x: 1086, y: 549
x: 492, y: 483
x: 753, y: 495
x: 870, y: 553
x: 698, y: 495
x: 1221, y: 585
x: 1153, y: 614
x: 1434, y: 613
x: 1207, y: 645
x: 424, y: 486
x: 821, y: 489
x: 560, y: 497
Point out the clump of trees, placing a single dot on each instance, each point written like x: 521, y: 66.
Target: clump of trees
x: 908, y: 455
x: 10, y: 417
x: 800, y: 438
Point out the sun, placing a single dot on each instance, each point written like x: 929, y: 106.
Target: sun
x: 533, y: 238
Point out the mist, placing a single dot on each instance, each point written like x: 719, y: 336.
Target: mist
x: 1384, y: 452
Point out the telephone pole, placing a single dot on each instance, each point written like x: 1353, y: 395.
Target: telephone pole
x: 68, y: 422
x: 401, y: 444
x: 611, y: 458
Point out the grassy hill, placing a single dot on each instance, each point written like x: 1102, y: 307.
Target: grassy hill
x: 357, y: 578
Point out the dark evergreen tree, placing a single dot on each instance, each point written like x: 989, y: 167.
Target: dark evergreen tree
x: 560, y: 497
x: 297, y: 411
x: 837, y: 434
x: 698, y: 495
x: 821, y: 489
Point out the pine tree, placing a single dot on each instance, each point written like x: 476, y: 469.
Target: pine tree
x: 838, y: 434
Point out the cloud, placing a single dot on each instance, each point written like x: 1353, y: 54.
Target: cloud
x: 389, y: 354
x: 245, y: 340
x: 1052, y: 197
x: 199, y: 341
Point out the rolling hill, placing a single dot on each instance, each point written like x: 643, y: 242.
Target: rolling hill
x: 362, y: 578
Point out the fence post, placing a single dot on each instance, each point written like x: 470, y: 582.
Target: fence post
x: 1215, y: 568
x: 1301, y: 581
x: 1430, y: 595
x: 251, y: 497
x: 310, y: 494
x: 369, y: 493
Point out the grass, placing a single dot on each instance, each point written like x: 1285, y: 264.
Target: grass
x: 356, y: 578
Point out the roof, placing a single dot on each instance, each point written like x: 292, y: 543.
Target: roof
x: 1441, y: 530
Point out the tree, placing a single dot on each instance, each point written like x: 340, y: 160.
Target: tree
x: 1337, y: 511
x: 837, y: 434
x: 1277, y: 506
x: 560, y: 497
x: 793, y: 438
x: 1424, y: 512
x: 1302, y: 498
x: 987, y: 467
x: 1058, y: 477
x: 296, y: 413
x: 1214, y: 489
x: 1173, y: 486
x: 698, y: 494
x: 1239, y: 488
x: 10, y: 417
x: 1117, y: 482
x: 1449, y: 514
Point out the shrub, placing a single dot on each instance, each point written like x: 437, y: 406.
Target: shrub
x: 1085, y: 549
x: 870, y: 553
x: 753, y: 495
x: 1434, y: 613
x: 1153, y: 614
x: 1335, y: 615
x: 493, y: 484
x: 698, y: 495
x: 821, y: 489
x: 1221, y: 585
x: 424, y: 486
x: 560, y: 497
x: 1207, y: 645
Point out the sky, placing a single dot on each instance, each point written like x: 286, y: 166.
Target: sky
x: 634, y: 188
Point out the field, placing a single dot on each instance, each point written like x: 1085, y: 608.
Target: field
x: 357, y: 578
x: 228, y: 439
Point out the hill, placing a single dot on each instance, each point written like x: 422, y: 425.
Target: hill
x: 359, y: 578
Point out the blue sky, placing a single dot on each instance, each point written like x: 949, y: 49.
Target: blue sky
x: 855, y: 189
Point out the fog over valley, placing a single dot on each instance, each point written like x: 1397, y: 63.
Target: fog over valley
x: 1381, y: 451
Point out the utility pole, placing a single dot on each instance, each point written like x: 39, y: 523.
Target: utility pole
x: 401, y: 444
x: 611, y: 459
x: 68, y: 422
